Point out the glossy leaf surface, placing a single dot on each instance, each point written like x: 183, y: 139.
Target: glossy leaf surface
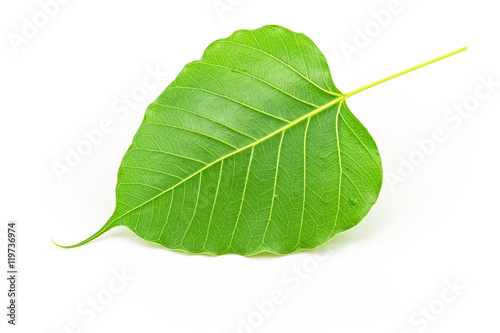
x: 252, y: 148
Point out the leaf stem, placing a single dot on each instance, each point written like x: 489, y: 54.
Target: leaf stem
x: 354, y: 92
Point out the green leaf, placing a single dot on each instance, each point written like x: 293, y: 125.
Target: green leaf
x: 250, y: 149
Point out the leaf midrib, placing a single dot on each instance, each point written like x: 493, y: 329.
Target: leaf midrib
x: 293, y: 123
x: 282, y: 129
x: 340, y: 98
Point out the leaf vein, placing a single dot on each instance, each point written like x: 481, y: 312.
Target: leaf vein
x: 287, y: 65
x: 233, y: 100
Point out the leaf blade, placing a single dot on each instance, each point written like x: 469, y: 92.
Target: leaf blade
x: 205, y: 120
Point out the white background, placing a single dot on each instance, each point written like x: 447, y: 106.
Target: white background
x: 440, y: 224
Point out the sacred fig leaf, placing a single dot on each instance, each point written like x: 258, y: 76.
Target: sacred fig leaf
x: 250, y: 149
